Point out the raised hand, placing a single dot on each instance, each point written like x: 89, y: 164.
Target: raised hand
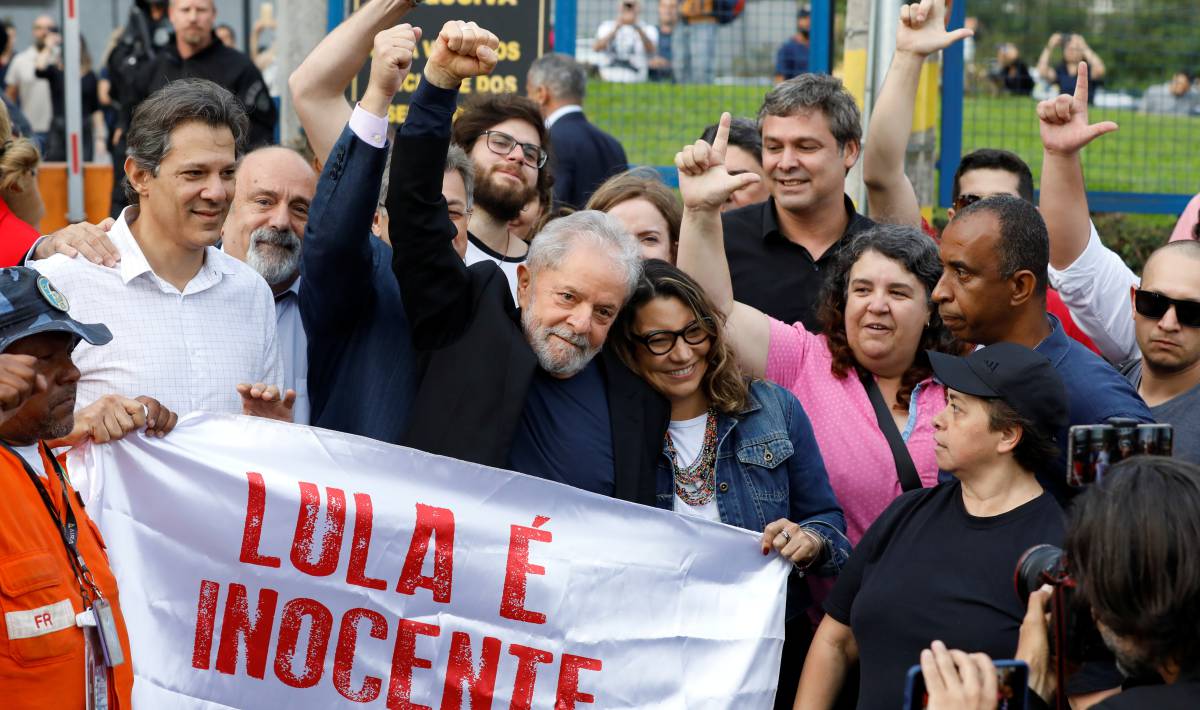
x: 704, y: 182
x: 391, y: 60
x: 922, y: 28
x: 462, y: 50
x: 1064, y: 119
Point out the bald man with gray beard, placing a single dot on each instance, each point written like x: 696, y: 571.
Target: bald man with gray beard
x: 274, y: 190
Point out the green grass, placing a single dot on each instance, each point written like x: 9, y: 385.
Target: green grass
x: 1149, y: 154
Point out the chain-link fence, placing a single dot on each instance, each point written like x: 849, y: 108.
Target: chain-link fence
x: 1141, y: 54
x: 664, y: 70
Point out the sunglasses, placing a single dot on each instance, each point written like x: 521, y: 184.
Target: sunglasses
x: 962, y: 201
x: 1155, y: 305
x: 661, y: 342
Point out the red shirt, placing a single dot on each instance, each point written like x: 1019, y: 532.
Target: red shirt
x: 16, y: 238
x: 1058, y: 309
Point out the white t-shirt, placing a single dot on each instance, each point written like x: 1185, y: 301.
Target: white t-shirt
x: 477, y: 251
x: 33, y: 94
x: 626, y: 55
x: 687, y: 436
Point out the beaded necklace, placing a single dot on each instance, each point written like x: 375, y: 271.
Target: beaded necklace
x: 695, y: 484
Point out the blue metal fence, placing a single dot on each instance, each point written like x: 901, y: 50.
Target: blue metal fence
x: 1148, y: 165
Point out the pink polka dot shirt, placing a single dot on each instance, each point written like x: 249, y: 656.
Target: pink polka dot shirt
x: 857, y: 457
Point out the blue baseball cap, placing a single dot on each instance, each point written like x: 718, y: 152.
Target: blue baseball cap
x: 29, y: 305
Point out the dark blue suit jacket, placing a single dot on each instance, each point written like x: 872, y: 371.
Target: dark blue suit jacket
x: 362, y: 367
x: 584, y: 157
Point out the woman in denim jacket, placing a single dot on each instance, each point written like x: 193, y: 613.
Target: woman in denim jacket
x: 738, y: 451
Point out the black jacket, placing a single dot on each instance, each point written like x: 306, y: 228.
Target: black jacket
x: 224, y: 66
x: 584, y: 157
x: 480, y: 365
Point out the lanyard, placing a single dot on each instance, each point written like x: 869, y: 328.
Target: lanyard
x: 68, y: 529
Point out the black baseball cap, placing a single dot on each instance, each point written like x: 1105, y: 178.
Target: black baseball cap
x: 29, y: 304
x: 1022, y: 378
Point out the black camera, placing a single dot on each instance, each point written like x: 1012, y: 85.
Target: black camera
x: 1072, y: 630
x: 1093, y: 449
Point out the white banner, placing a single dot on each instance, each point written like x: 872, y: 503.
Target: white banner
x: 264, y: 565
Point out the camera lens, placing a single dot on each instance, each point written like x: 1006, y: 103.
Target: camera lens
x: 1041, y: 564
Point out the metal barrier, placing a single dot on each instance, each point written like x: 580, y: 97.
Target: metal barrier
x: 655, y: 112
x: 1149, y: 165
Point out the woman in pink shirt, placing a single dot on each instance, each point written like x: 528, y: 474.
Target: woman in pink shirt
x: 878, y: 321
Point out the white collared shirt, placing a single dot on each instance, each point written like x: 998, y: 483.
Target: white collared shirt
x: 562, y: 111
x: 293, y: 347
x: 188, y: 350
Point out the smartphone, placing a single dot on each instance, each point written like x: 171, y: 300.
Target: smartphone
x: 1093, y: 448
x: 1012, y: 686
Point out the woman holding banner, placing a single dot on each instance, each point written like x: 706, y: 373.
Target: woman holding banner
x: 737, y: 451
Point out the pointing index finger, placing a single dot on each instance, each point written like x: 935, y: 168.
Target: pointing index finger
x: 721, y: 140
x: 1081, y: 83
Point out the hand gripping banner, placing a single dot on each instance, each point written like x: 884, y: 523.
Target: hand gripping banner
x: 265, y: 565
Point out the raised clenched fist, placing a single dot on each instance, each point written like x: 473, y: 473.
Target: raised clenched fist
x: 392, y: 58
x: 462, y: 50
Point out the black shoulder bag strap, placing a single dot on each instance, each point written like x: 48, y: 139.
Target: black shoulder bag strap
x: 906, y: 470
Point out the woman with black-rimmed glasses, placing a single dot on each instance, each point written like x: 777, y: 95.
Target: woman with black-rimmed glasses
x: 737, y: 451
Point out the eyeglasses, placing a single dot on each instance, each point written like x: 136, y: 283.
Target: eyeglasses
x: 457, y: 214
x: 962, y: 201
x: 661, y: 342
x: 502, y: 144
x: 1155, y: 305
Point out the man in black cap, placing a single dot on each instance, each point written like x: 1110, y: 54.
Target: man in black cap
x: 937, y: 564
x: 65, y: 597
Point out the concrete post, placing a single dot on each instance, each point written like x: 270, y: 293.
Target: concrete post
x: 301, y: 27
x: 74, y: 114
x: 856, y: 76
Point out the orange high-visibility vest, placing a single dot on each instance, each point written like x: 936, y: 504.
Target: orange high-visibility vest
x: 41, y: 648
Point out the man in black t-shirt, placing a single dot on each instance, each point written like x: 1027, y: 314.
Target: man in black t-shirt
x: 780, y: 251
x: 938, y: 563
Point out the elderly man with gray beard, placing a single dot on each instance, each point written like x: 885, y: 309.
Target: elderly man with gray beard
x: 274, y: 190
x: 527, y: 386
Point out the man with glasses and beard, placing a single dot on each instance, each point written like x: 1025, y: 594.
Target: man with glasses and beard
x: 274, y: 190
x: 532, y: 390
x: 507, y: 141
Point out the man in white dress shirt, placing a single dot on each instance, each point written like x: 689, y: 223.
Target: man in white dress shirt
x: 191, y: 326
x: 265, y: 226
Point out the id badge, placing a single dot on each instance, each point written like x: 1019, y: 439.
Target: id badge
x: 95, y: 671
x: 106, y: 632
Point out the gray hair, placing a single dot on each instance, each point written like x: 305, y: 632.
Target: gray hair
x: 456, y: 159
x: 561, y: 74
x: 177, y: 103
x: 821, y: 92
x: 556, y: 240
